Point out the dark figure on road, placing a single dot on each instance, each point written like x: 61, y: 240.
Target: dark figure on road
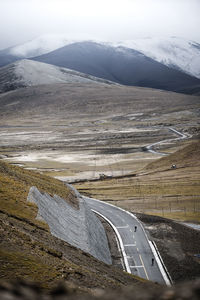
x: 152, y: 261
x: 135, y: 228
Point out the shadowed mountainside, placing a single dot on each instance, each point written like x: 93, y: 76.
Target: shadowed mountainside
x: 26, y: 72
x: 7, y: 58
x: 119, y: 64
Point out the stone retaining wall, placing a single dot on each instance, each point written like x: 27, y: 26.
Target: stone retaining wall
x: 79, y: 227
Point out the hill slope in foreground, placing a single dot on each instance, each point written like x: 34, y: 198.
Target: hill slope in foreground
x: 29, y: 251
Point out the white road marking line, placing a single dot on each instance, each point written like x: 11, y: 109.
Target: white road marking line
x: 136, y: 267
x: 120, y: 242
x: 144, y: 266
x: 90, y: 200
x: 130, y: 245
x: 160, y: 265
x: 122, y: 227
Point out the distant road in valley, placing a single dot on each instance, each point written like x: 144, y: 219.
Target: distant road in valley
x: 181, y: 136
x: 136, y: 248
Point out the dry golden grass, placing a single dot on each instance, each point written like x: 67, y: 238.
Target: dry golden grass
x: 15, y: 183
x: 157, y: 189
x: 29, y: 251
x: 31, y: 266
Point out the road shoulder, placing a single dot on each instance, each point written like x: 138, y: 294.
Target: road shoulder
x: 177, y: 244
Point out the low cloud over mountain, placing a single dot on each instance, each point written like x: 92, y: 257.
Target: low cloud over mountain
x: 169, y: 64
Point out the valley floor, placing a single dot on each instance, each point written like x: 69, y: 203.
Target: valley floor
x: 65, y: 139
x: 137, y: 180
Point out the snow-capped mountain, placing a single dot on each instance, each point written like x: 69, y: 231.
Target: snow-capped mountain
x: 36, y: 47
x: 26, y: 72
x: 174, y: 52
x: 164, y: 63
x: 120, y: 64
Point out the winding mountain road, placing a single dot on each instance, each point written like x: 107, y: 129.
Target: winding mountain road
x: 135, y: 246
x: 140, y: 255
x: 151, y: 146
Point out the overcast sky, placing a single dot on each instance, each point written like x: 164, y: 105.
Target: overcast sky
x: 114, y: 20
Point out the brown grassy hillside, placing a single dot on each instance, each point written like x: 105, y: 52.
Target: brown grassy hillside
x: 14, y: 188
x: 157, y: 189
x: 29, y: 251
x: 188, y: 156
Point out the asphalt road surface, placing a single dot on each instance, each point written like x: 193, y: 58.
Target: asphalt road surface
x: 181, y: 136
x: 138, y: 252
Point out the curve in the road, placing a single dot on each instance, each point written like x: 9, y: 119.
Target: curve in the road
x: 120, y: 243
x: 135, y: 246
x: 150, y: 147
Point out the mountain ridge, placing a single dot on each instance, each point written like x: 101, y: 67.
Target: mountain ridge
x: 122, y: 65
x: 26, y: 72
x: 172, y: 51
x: 163, y: 63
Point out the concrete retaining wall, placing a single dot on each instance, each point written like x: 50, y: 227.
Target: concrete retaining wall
x: 79, y: 227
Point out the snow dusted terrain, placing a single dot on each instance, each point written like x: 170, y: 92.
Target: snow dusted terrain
x: 35, y: 73
x: 122, y: 65
x: 149, y: 62
x: 28, y: 73
x: 174, y: 52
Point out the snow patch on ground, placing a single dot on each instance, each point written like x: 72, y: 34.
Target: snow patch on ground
x: 89, y: 159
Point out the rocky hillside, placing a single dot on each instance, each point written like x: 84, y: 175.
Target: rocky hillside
x: 29, y: 251
x: 23, y: 289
